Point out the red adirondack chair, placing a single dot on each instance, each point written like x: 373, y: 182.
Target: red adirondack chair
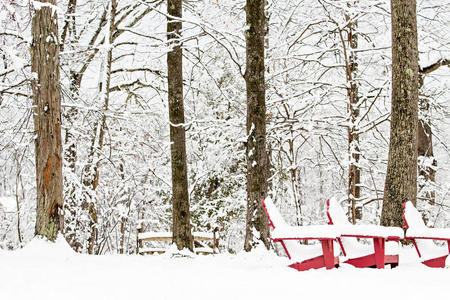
x: 422, y: 237
x: 305, y: 256
x: 383, y: 249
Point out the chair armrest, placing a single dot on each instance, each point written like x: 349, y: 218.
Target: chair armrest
x: 371, y: 231
x: 305, y: 232
x: 428, y: 233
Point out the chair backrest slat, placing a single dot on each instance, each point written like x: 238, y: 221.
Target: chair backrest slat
x: 337, y: 216
x: 273, y: 214
x: 412, y: 217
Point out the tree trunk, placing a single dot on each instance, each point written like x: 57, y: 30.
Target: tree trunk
x: 401, y: 175
x: 47, y: 120
x: 354, y: 171
x: 70, y: 144
x: 257, y: 158
x: 427, y: 173
x: 425, y: 136
x: 91, y: 172
x: 181, y: 226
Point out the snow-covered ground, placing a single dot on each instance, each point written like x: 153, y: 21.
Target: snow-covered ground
x: 53, y: 271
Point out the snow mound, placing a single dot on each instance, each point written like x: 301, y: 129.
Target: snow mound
x: 44, y: 248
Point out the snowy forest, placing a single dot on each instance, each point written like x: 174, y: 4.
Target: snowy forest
x: 322, y: 129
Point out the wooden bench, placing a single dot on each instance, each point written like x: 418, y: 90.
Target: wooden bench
x: 204, y: 242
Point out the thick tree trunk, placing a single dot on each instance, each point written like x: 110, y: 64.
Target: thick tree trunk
x: 181, y: 226
x: 47, y: 120
x: 257, y: 158
x: 401, y: 175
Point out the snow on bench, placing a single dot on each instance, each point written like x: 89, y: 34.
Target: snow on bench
x: 369, y: 231
x: 422, y: 236
x: 166, y: 235
x: 418, y: 229
x: 286, y: 232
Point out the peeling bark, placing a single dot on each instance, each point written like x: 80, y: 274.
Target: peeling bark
x: 47, y: 121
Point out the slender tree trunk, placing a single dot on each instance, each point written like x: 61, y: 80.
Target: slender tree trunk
x: 18, y: 179
x: 47, y: 120
x: 70, y: 146
x: 257, y: 158
x: 354, y: 171
x: 427, y: 173
x: 401, y: 175
x: 91, y: 172
x: 425, y: 135
x: 181, y: 226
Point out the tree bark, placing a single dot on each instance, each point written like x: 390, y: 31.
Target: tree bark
x: 425, y: 150
x: 47, y: 120
x: 181, y: 226
x: 354, y: 171
x: 401, y: 175
x: 257, y: 157
x: 425, y: 135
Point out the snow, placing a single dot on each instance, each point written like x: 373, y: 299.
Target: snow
x: 352, y: 246
x: 370, y: 231
x: 43, y: 270
x: 313, y: 231
x: 437, y: 233
x: 297, y: 251
x: 417, y: 228
x: 8, y: 204
x: 168, y: 234
x: 284, y: 231
x: 273, y: 213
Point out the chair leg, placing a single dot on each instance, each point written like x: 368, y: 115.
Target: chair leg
x: 438, y: 262
x: 328, y: 253
x: 378, y: 244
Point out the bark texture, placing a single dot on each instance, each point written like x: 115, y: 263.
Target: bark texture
x: 257, y: 157
x: 425, y: 152
x: 47, y: 120
x: 354, y: 171
x: 181, y: 227
x: 401, y: 175
x: 427, y: 171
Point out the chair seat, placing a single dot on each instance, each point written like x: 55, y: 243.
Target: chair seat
x: 305, y: 232
x: 358, y: 249
x: 425, y: 232
x: 429, y: 250
x: 300, y: 252
x: 370, y: 231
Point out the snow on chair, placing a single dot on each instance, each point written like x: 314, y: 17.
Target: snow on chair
x: 422, y: 237
x: 383, y: 249
x: 305, y: 256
